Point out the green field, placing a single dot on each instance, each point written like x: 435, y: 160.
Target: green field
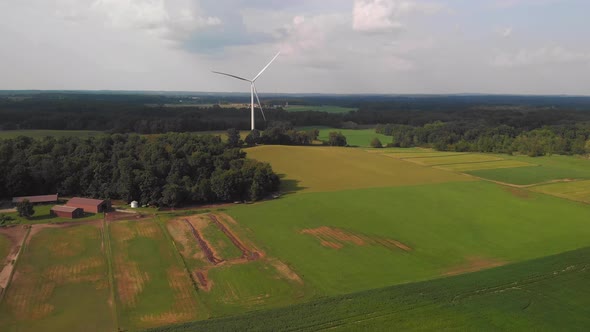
x: 309, y: 169
x: 547, y: 294
x: 235, y: 284
x: 57, y: 267
x: 319, y: 108
x: 451, y: 227
x: 152, y: 287
x: 550, y: 168
x: 5, y: 134
x: 356, y: 137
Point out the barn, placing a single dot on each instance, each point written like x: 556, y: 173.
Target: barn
x: 67, y: 211
x: 36, y: 199
x: 89, y: 204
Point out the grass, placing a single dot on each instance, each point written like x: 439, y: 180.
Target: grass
x: 550, y: 168
x: 42, y: 216
x: 319, y: 108
x: 57, y: 265
x: 456, y: 159
x: 235, y: 285
x: 576, y: 191
x: 6, y: 134
x: 547, y: 294
x: 457, y: 226
x: 152, y: 286
x: 255, y: 285
x: 486, y: 165
x: 312, y: 169
x: 4, y: 250
x: 356, y: 137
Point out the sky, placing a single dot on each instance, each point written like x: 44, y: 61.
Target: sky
x: 327, y: 46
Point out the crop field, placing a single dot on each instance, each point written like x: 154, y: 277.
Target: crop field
x: 576, y: 190
x: 311, y: 169
x: 467, y: 226
x: 151, y: 284
x: 232, y: 274
x: 5, y: 134
x: 485, y: 165
x: 550, y: 168
x: 57, y: 263
x: 4, y: 250
x: 356, y: 137
x: 547, y: 294
x: 453, y: 159
x: 319, y: 108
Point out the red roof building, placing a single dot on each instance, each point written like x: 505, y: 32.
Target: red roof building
x: 67, y: 211
x: 89, y: 204
x: 36, y: 199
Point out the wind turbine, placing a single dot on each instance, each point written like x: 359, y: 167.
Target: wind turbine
x: 253, y: 91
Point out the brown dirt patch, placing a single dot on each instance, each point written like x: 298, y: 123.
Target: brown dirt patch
x: 248, y: 253
x: 517, y: 192
x: 473, y: 264
x: 336, y: 238
x: 285, y: 271
x: 182, y: 234
x: 205, y: 246
x: 130, y: 280
x: 16, y: 236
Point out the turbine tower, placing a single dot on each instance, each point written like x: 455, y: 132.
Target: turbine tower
x: 253, y: 91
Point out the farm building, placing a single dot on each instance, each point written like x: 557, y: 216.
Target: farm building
x: 67, y: 211
x: 89, y: 204
x: 36, y: 199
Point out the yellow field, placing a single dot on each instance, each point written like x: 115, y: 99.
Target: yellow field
x: 576, y: 191
x: 485, y: 165
x: 458, y: 159
x: 314, y: 169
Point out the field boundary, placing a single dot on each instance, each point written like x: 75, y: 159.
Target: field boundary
x: 16, y: 261
x: 108, y: 254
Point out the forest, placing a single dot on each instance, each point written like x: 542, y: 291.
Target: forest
x: 164, y: 170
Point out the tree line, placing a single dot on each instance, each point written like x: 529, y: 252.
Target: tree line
x: 465, y: 137
x: 163, y: 170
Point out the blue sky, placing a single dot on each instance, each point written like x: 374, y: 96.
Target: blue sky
x: 328, y: 46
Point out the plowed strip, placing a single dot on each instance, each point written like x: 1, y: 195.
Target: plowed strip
x: 246, y: 252
x: 204, y: 245
x: 336, y: 238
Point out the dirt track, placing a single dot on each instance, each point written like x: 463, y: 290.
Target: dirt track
x: 204, y: 245
x: 246, y: 253
x: 16, y: 235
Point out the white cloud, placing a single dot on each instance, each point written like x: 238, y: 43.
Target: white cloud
x: 175, y: 20
x: 540, y: 56
x: 385, y: 15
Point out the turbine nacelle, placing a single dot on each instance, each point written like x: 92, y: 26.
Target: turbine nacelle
x: 253, y: 91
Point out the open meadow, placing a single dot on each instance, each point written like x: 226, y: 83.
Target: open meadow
x: 360, y: 238
x: 151, y: 284
x: 56, y: 263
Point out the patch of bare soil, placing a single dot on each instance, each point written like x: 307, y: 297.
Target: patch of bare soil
x: 285, y: 271
x: 473, y: 264
x: 250, y: 254
x: 205, y: 247
x: 336, y: 238
x: 16, y: 235
x: 130, y: 280
x: 517, y: 192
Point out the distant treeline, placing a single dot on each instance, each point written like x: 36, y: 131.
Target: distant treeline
x: 123, y: 114
x: 462, y: 137
x: 167, y: 170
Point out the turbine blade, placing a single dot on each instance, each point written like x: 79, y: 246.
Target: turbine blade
x: 230, y: 75
x: 263, y: 69
x: 259, y: 104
